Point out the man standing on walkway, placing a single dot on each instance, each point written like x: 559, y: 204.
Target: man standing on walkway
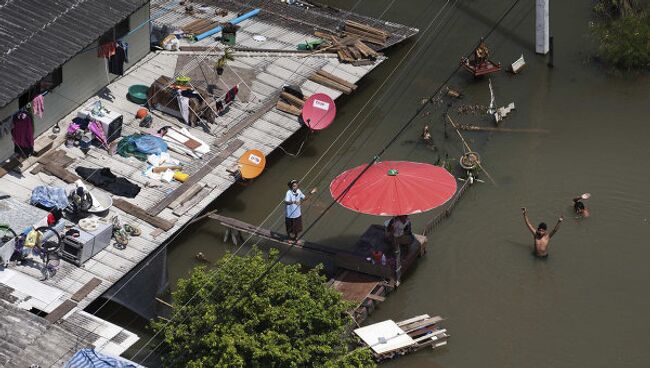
x: 541, y: 236
x: 292, y: 214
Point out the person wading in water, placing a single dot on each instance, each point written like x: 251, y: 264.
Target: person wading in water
x: 541, y: 236
x: 579, y: 206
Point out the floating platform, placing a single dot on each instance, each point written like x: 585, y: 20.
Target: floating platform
x: 388, y: 339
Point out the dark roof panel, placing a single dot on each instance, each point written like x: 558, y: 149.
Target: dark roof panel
x: 38, y: 36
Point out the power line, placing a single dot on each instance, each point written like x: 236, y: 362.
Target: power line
x: 247, y: 291
x: 372, y: 161
x: 191, y: 299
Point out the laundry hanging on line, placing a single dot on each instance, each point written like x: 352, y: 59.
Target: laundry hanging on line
x: 107, y: 49
x: 119, y: 57
x: 37, y: 105
x: 23, y: 134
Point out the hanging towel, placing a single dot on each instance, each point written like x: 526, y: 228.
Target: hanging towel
x: 37, y: 105
x: 184, y: 107
x: 230, y: 95
x: 106, y: 50
x: 117, y: 60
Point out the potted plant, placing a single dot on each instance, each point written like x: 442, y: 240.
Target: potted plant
x: 183, y: 80
x: 221, y: 63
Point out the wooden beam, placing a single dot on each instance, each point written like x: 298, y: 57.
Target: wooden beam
x: 330, y: 83
x: 180, y: 211
x: 292, y: 99
x: 140, y: 213
x: 60, y: 311
x: 187, y: 195
x: 289, y: 109
x: 86, y: 289
x: 195, y: 178
x: 376, y: 297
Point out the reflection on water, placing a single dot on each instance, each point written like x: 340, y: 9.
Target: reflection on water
x: 586, y: 305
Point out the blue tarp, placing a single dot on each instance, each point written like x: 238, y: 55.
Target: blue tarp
x: 89, y: 358
x: 49, y: 197
x: 141, y: 145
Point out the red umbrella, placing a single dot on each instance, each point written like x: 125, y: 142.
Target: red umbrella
x: 393, y: 188
x: 319, y: 111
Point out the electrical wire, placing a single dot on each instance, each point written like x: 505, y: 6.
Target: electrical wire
x: 375, y: 158
x: 191, y: 299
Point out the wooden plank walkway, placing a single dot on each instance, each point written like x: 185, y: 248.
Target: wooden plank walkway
x: 360, y: 282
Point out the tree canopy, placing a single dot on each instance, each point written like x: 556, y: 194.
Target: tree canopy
x: 623, y: 29
x: 289, y: 319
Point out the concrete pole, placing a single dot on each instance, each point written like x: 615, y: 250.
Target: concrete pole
x: 541, y: 27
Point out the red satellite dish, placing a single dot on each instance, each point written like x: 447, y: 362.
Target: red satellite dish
x: 319, y: 111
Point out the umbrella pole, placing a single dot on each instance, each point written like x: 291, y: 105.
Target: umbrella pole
x: 398, y: 262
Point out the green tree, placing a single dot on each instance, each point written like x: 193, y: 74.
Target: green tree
x: 623, y: 30
x: 289, y: 319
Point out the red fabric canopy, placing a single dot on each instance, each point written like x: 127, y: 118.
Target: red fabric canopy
x: 319, y: 111
x: 393, y: 188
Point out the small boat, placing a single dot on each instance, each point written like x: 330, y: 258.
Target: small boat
x: 480, y: 63
x: 518, y: 65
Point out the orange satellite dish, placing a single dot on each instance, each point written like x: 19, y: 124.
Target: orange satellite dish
x: 252, y: 163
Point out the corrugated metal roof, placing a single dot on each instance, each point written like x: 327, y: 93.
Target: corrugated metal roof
x: 38, y: 36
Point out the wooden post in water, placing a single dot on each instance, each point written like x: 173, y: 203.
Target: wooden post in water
x: 542, y: 27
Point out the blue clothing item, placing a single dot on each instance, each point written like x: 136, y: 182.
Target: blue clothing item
x: 49, y: 197
x: 89, y: 358
x: 293, y: 210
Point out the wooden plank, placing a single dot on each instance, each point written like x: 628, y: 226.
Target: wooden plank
x: 195, y: 178
x: 86, y: 289
x: 60, y: 173
x: 60, y: 311
x: 289, y: 109
x: 142, y: 214
x: 330, y: 83
x: 187, y: 195
x: 180, y: 211
x: 247, y: 121
x: 375, y: 297
x: 336, y: 79
x: 292, y: 99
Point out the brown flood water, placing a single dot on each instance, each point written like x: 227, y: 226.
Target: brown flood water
x: 587, y: 304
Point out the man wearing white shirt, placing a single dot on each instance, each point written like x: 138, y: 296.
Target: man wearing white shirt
x: 293, y: 215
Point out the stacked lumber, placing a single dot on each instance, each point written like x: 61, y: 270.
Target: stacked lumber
x: 330, y: 80
x: 350, y: 48
x: 199, y: 26
x: 290, y: 103
x: 366, y: 33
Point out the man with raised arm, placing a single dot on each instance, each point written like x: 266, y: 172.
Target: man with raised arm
x: 541, y: 236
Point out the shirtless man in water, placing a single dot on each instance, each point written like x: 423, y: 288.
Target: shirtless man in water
x: 541, y: 235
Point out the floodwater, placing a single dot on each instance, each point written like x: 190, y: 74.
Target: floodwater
x: 587, y: 304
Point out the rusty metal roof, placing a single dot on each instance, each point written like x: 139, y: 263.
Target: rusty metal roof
x: 38, y: 36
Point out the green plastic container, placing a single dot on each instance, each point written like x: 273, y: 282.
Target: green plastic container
x: 138, y: 93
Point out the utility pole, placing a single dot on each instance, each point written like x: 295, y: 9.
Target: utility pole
x: 542, y: 33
